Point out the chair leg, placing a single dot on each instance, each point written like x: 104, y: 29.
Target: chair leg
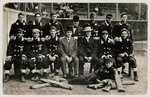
x: 130, y: 71
x: 91, y: 68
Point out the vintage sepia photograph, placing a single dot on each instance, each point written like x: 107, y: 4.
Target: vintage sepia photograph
x: 74, y: 48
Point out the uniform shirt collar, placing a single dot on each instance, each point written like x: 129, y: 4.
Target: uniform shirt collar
x: 106, y: 23
x: 38, y: 39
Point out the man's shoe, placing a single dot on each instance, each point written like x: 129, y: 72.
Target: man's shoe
x: 135, y: 76
x: 6, y: 78
x: 23, y: 79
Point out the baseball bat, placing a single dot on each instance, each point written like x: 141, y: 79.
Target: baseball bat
x: 128, y: 83
x: 39, y: 86
x: 118, y: 82
x: 62, y: 85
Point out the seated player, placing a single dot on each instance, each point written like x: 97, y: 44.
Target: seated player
x: 124, y: 53
x: 36, y: 54
x: 16, y: 54
x: 68, y: 49
x: 105, y: 48
x: 53, y: 54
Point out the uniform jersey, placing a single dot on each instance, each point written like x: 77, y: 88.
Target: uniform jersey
x: 36, y: 47
x: 52, y: 46
x: 33, y: 25
x: 58, y: 25
x: 17, y: 25
x: 95, y: 27
x: 123, y: 45
x: 105, y: 47
x: 16, y: 48
x: 106, y: 26
x: 118, y: 27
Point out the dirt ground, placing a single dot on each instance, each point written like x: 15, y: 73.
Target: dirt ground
x: 15, y: 87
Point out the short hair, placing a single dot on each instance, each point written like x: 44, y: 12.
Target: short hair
x: 124, y: 29
x: 109, y: 15
x: 37, y: 14
x: 93, y: 13
x: 124, y: 13
x: 53, y: 27
x: 53, y: 13
x: 20, y: 30
x: 21, y: 14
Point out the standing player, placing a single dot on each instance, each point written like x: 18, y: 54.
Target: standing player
x: 53, y: 22
x: 20, y: 23
x: 94, y: 25
x: 122, y: 24
x: 107, y: 25
x: 35, y: 24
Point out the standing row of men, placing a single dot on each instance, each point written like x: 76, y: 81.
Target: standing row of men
x: 37, y: 47
x: 77, y: 30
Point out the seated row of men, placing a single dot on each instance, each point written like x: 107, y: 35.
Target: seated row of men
x: 39, y: 53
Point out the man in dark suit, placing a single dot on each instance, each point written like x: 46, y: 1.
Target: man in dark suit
x: 107, y: 25
x: 87, y: 49
x: 53, y: 22
x: 16, y: 54
x: 124, y: 53
x: 68, y: 49
x: 77, y: 30
x: 35, y: 24
x: 20, y: 23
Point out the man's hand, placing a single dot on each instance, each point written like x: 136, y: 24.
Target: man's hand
x: 122, y: 55
x: 126, y: 54
x: 8, y: 58
x: 24, y: 59
x: 69, y: 59
x: 103, y: 56
x: 109, y: 56
x: 33, y: 59
x: 13, y: 37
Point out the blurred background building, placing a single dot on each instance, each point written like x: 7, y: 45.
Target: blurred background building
x: 136, y: 11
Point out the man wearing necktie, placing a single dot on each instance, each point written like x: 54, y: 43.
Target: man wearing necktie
x: 87, y: 49
x: 77, y: 30
x: 68, y: 51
